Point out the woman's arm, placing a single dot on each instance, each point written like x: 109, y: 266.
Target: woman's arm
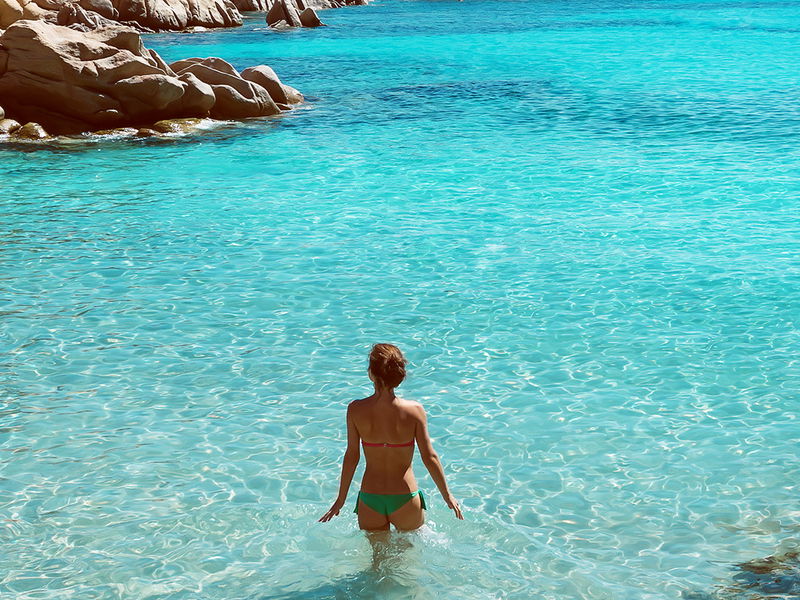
x: 431, y: 461
x: 349, y: 464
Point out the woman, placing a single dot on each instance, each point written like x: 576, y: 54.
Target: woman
x: 387, y: 427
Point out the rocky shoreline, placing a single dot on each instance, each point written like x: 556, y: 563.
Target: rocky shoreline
x: 76, y: 67
x: 149, y: 16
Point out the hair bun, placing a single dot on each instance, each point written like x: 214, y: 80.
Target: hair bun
x: 387, y: 364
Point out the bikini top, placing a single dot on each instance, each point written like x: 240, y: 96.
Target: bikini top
x: 387, y: 445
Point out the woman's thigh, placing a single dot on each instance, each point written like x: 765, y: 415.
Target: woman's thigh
x: 409, y: 516
x: 370, y: 520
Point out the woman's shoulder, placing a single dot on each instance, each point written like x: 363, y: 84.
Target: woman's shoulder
x: 356, y: 404
x: 407, y: 402
x: 411, y: 406
x: 360, y: 404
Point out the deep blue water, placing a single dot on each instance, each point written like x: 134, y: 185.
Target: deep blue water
x: 578, y: 219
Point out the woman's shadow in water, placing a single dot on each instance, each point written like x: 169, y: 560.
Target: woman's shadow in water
x: 387, y: 576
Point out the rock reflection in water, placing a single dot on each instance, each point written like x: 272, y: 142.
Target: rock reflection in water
x: 774, y: 577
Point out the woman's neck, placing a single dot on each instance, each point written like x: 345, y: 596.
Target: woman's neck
x: 384, y: 394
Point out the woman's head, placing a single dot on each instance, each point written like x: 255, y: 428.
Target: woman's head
x: 387, y: 365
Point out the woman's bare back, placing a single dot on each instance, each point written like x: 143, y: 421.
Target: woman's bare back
x: 377, y: 421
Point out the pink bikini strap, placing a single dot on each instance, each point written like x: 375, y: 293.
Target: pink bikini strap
x: 387, y: 445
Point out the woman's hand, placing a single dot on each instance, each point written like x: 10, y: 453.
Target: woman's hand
x: 332, y: 511
x: 452, y: 503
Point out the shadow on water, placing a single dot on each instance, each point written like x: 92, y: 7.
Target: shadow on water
x: 390, y: 575
x: 774, y: 577
x: 540, y: 104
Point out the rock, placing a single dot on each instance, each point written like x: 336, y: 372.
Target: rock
x: 180, y: 66
x: 63, y: 77
x: 274, y: 15
x: 179, y: 14
x: 159, y: 62
x: 284, y: 10
x: 323, y: 4
x: 146, y: 132
x: 118, y: 132
x: 298, y: 13
x: 104, y: 8
x: 267, y: 78
x: 252, y: 5
x: 72, y: 14
x: 231, y: 104
x: 235, y: 97
x: 157, y: 15
x: 10, y: 11
x: 8, y: 126
x: 72, y: 82
x: 293, y: 95
x: 151, y: 92
x: 31, y: 131
x: 309, y: 18
x: 48, y: 4
x: 177, y: 125
x: 137, y: 26
x: 33, y: 11
x: 776, y: 576
x: 771, y: 564
x: 292, y: 14
x: 2, y: 114
x: 198, y: 98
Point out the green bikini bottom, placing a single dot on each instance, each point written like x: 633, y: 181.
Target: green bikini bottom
x: 386, y: 504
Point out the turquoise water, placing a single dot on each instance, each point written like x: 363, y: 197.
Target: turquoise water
x: 579, y: 220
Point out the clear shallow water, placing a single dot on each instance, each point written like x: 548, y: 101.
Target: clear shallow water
x: 580, y: 220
